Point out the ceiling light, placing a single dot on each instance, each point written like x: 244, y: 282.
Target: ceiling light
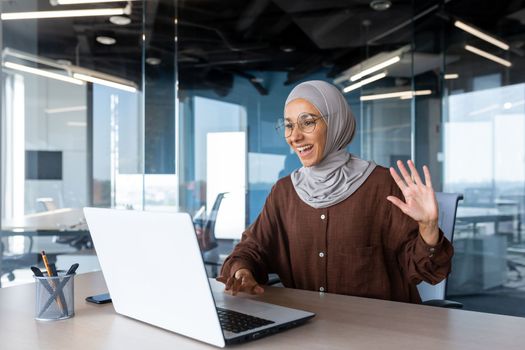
x: 77, y: 2
x: 154, y: 61
x: 451, y: 76
x: 375, y: 68
x: 104, y: 82
x: 488, y: 55
x: 77, y: 124
x: 65, y: 109
x: 106, y: 40
x: 120, y: 20
x: 43, y: 73
x: 481, y: 35
x: 62, y: 14
x: 380, y: 5
x: 399, y: 94
x: 287, y: 48
x: 364, y: 82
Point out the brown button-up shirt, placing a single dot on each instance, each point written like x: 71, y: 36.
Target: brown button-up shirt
x: 363, y: 246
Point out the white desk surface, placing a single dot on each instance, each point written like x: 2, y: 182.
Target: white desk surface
x: 342, y: 322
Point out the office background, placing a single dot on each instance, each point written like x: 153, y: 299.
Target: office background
x: 164, y: 105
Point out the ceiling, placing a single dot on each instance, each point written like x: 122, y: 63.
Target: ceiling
x: 220, y: 39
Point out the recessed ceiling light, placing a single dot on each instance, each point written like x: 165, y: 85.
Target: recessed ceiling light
x: 287, y: 48
x: 120, y: 20
x: 106, y: 40
x: 154, y: 61
x: 380, y: 5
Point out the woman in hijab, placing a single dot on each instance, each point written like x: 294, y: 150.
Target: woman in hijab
x: 340, y: 224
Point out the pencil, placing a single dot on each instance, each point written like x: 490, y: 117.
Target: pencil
x: 50, y: 274
x: 46, y: 264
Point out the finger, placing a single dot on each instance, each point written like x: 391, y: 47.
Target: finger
x: 221, y: 279
x: 236, y: 286
x: 400, y: 183
x: 249, y: 285
x: 398, y: 203
x: 428, y: 179
x: 413, y: 171
x: 257, y: 289
x: 404, y: 173
x: 229, y: 283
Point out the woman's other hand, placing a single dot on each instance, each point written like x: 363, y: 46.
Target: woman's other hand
x: 243, y: 281
x: 420, y: 200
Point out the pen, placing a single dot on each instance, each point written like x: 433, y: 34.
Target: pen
x: 72, y: 269
x: 39, y: 273
x: 46, y: 264
x: 50, y: 274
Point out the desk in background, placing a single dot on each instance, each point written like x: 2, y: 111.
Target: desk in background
x: 342, y: 322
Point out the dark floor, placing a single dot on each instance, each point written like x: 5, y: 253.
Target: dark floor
x: 508, y: 299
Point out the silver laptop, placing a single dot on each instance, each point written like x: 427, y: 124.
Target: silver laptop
x: 155, y: 273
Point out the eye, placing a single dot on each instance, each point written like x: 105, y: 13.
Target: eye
x: 288, y: 125
x: 309, y: 122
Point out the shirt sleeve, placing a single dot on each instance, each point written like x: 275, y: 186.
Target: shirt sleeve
x: 418, y: 261
x: 253, y: 251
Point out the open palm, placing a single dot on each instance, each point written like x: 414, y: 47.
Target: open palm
x: 420, y: 200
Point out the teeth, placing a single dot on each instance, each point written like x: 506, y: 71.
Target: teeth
x: 304, y: 148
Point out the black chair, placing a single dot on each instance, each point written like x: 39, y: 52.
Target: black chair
x: 11, y: 262
x: 434, y: 295
x: 205, y: 229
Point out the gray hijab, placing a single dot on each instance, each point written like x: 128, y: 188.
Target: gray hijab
x: 339, y: 174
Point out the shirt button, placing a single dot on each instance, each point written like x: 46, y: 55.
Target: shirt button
x: 321, y: 254
x: 321, y: 289
x: 323, y: 217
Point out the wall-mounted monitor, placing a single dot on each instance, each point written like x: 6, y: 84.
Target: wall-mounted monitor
x: 43, y: 165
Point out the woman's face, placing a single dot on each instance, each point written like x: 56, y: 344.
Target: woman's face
x: 308, y: 146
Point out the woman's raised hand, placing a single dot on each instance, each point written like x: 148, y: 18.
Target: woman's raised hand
x: 243, y: 281
x: 420, y: 200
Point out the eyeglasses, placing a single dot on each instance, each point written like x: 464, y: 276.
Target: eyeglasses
x: 306, y: 123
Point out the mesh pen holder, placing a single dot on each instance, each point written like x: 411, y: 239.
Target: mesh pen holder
x: 54, y: 297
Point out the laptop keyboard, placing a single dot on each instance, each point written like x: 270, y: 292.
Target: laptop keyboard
x: 237, y: 322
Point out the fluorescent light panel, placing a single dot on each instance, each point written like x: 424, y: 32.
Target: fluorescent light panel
x: 400, y: 94
x: 62, y: 14
x: 104, y: 82
x: 43, y: 73
x: 481, y: 35
x: 66, y: 109
x: 488, y: 56
x: 364, y: 82
x: 375, y: 68
x: 77, y: 2
x: 451, y: 76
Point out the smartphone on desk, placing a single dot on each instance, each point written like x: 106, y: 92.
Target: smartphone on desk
x: 99, y: 298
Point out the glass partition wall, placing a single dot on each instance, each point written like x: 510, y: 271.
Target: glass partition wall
x: 82, y: 92
x: 191, y: 126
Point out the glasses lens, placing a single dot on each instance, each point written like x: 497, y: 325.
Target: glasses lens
x: 307, y: 123
x: 281, y: 127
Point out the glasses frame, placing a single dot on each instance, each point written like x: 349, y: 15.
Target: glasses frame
x: 280, y: 125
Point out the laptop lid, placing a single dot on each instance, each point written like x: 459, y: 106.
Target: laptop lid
x: 152, y: 271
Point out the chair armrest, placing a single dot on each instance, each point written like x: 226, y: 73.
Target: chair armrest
x: 443, y: 303
x: 273, y: 279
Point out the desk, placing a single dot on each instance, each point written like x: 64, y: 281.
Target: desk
x: 475, y: 215
x: 342, y: 322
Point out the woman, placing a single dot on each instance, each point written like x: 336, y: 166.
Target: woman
x: 340, y: 224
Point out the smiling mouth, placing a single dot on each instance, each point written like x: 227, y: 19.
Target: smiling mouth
x: 304, y: 150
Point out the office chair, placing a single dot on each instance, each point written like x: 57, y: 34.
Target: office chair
x: 434, y: 295
x: 205, y: 229
x: 11, y: 262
